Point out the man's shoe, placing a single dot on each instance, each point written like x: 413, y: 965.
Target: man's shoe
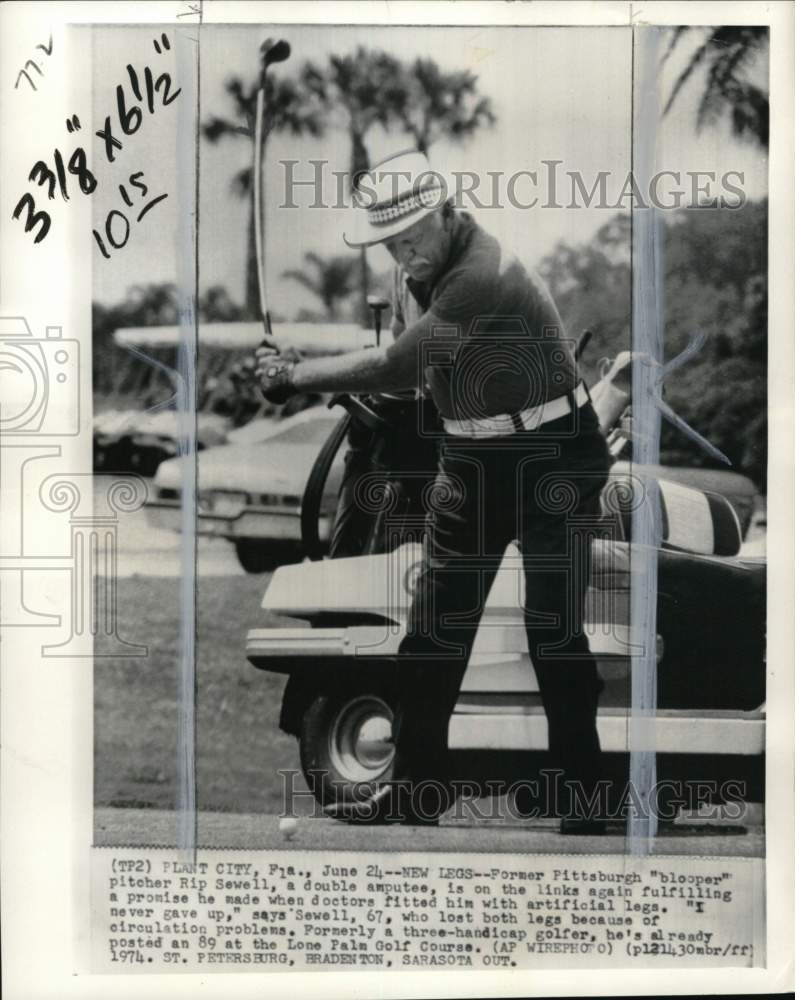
x: 577, y: 826
x: 377, y: 808
x: 369, y: 810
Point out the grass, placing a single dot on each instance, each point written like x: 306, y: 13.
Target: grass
x: 240, y: 747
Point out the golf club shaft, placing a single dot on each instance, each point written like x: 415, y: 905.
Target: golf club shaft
x: 270, y: 52
x: 258, y: 220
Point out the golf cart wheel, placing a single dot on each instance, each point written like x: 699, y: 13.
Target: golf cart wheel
x: 346, y: 744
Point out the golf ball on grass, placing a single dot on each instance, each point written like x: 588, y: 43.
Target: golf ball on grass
x: 288, y: 825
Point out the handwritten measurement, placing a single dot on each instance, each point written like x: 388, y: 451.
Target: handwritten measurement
x: 156, y: 92
x: 130, y: 117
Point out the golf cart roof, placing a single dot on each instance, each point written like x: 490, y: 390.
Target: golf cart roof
x: 324, y: 338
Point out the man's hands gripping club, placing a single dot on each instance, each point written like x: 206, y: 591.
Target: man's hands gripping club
x: 274, y: 370
x: 282, y: 372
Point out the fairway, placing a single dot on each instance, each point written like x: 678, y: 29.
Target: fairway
x: 239, y: 744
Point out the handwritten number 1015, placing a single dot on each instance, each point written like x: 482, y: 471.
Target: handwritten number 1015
x: 117, y: 225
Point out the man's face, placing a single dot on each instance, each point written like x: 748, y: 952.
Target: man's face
x: 423, y: 249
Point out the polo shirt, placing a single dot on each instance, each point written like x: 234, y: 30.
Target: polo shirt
x: 499, y: 345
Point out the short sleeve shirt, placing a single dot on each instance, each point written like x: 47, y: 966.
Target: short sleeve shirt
x: 500, y: 346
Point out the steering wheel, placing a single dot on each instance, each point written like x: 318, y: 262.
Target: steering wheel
x: 360, y: 408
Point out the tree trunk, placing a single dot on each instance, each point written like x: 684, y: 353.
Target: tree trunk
x: 360, y: 162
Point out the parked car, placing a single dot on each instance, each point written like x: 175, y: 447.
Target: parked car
x: 138, y: 441
x: 250, y: 488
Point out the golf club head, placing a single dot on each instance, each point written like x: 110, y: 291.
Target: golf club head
x: 274, y: 51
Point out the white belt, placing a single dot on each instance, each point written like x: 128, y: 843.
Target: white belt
x: 505, y: 423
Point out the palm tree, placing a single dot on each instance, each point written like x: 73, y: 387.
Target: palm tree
x: 216, y: 306
x: 439, y: 104
x: 288, y: 107
x: 331, y: 279
x: 374, y: 88
x: 727, y: 53
x: 366, y: 86
x: 152, y: 304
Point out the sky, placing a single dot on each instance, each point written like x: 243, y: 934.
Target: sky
x: 557, y: 93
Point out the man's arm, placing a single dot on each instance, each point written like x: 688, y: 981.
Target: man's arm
x: 384, y: 369
x: 369, y: 370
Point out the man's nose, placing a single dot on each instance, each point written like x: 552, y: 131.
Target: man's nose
x: 403, y: 255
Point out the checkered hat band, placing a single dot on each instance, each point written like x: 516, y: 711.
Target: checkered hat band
x: 404, y: 206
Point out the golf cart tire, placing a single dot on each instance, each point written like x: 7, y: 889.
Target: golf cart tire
x: 344, y: 743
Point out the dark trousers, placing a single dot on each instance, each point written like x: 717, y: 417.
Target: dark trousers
x: 540, y: 488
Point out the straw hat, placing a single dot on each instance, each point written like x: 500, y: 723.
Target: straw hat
x: 392, y: 196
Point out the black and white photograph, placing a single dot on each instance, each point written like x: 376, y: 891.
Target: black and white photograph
x: 423, y: 567
x: 321, y: 619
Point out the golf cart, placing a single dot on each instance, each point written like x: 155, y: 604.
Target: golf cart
x: 333, y: 627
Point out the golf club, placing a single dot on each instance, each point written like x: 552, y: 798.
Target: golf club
x: 274, y: 51
x: 270, y: 52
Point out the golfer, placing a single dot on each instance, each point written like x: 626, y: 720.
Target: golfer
x: 521, y: 459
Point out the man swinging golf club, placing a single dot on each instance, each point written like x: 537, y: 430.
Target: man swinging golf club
x: 521, y: 459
